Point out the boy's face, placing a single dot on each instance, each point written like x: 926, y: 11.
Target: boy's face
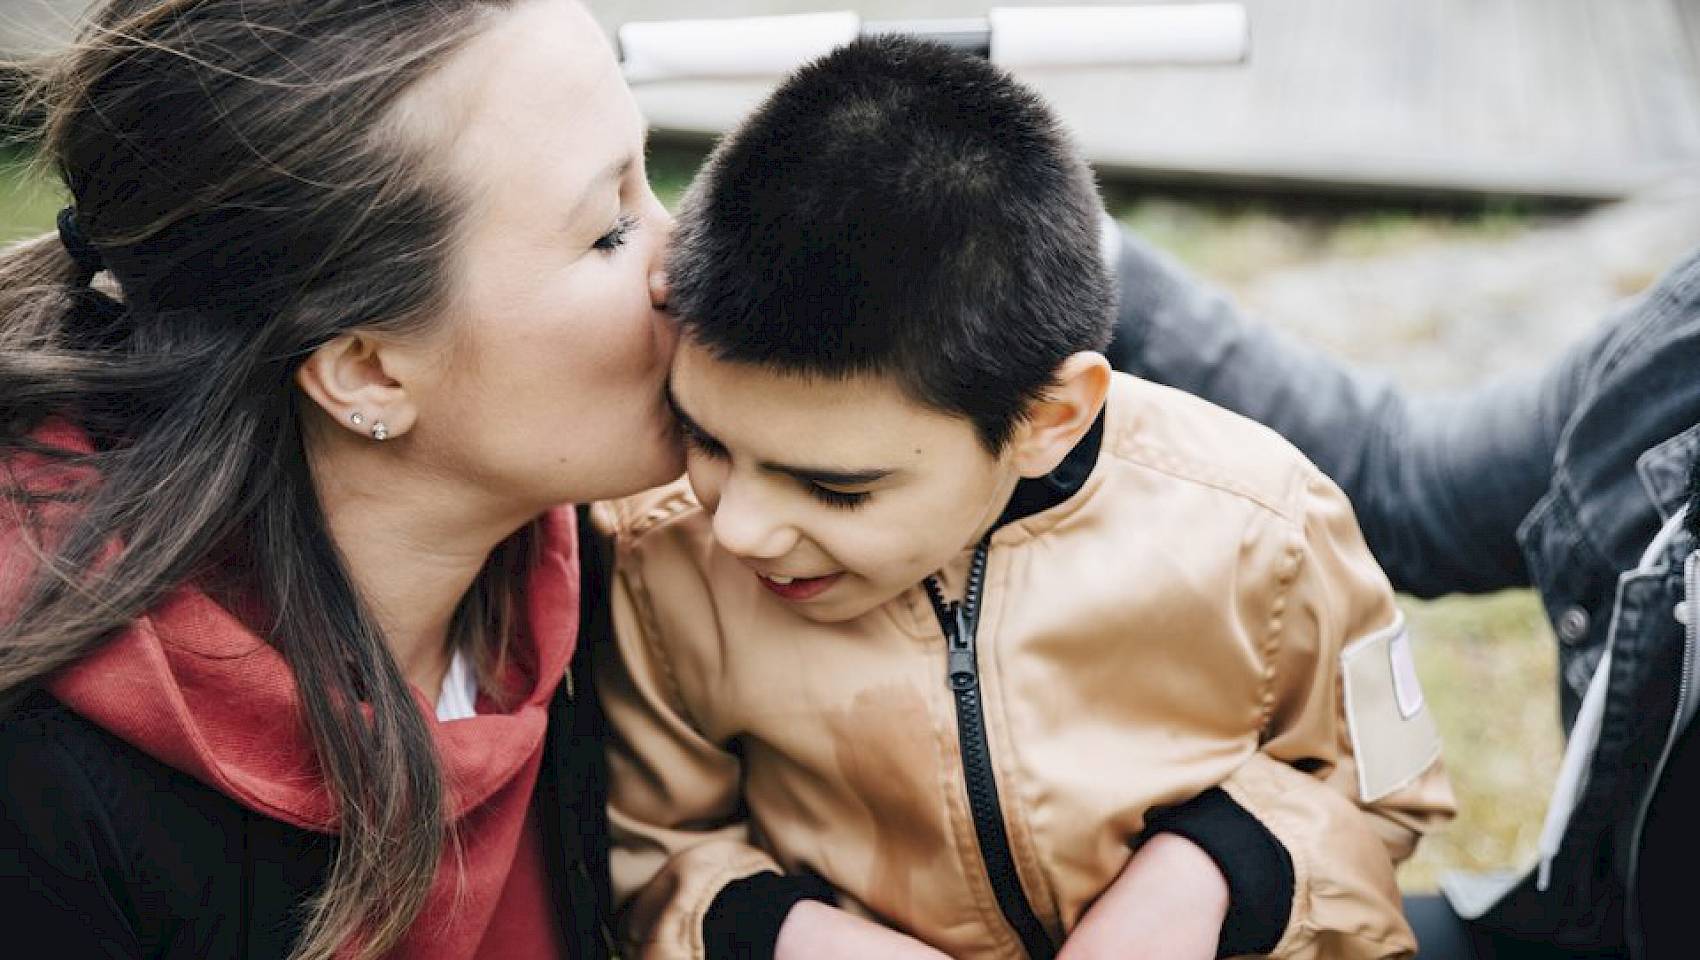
x: 837, y: 494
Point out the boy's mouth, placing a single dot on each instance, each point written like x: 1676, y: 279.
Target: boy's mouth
x: 798, y: 588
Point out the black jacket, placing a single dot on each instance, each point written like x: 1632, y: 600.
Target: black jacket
x: 106, y: 852
x: 1558, y: 482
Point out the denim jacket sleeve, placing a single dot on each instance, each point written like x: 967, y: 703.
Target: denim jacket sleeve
x: 1439, y: 483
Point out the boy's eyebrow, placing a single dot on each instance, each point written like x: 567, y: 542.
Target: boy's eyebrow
x: 827, y: 476
x: 824, y: 475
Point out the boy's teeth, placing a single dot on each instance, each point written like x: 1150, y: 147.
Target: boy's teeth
x: 782, y: 581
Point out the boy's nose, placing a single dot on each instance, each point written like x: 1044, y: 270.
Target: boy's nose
x: 747, y: 531
x: 660, y: 287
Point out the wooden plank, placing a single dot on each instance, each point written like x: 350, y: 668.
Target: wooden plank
x: 1576, y: 98
x: 1688, y: 11
x: 1590, y: 98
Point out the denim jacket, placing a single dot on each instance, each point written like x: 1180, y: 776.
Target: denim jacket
x: 1560, y: 480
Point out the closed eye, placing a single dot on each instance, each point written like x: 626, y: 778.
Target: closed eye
x: 840, y: 499
x: 617, y: 235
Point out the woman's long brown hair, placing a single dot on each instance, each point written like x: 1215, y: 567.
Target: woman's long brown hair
x: 246, y: 175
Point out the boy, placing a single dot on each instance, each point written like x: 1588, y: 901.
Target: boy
x: 958, y: 644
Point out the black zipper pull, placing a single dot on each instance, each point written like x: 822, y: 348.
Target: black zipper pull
x: 964, y: 667
x: 962, y: 672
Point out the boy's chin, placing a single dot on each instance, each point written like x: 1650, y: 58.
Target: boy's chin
x: 833, y: 614
x: 842, y: 609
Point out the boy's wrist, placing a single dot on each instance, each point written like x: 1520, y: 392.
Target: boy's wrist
x: 744, y: 920
x: 1256, y: 866
x: 1195, y: 879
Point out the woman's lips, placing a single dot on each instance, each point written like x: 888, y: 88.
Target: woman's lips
x: 801, y: 588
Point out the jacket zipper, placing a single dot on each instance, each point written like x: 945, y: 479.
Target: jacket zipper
x: 960, y: 622
x: 1684, y: 691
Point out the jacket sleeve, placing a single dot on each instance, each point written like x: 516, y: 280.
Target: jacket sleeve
x: 679, y: 836
x: 62, y: 876
x: 1440, y: 482
x: 1348, y: 775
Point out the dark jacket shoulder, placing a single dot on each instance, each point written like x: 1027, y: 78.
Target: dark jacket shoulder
x: 108, y: 852
x: 116, y: 854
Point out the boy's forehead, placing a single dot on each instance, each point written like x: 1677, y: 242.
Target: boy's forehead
x: 735, y: 397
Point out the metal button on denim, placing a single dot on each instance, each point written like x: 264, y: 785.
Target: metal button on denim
x: 1682, y: 613
x: 1573, y: 626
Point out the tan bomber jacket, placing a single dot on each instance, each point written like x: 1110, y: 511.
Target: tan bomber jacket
x: 1203, y: 612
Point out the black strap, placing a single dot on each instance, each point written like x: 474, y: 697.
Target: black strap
x: 83, y: 252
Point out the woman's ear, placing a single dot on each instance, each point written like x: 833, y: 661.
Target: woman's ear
x: 346, y: 377
x: 1057, y: 421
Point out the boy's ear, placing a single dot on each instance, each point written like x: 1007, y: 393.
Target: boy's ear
x: 1056, y: 422
x: 350, y: 374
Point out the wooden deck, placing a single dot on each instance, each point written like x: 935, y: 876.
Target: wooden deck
x: 1565, y: 98
x: 1570, y: 98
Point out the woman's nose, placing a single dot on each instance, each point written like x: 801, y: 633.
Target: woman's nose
x: 659, y: 285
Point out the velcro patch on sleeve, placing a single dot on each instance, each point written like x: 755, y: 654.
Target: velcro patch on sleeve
x: 1393, y: 734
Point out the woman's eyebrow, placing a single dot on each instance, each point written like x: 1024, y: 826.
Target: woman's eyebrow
x: 613, y: 173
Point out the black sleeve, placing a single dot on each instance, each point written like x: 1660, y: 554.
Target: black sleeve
x: 62, y: 878
x: 1258, y: 868
x: 586, y: 759
x: 743, y: 921
x: 1439, y: 481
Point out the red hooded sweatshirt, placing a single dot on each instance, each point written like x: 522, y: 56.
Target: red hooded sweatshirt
x: 190, y: 685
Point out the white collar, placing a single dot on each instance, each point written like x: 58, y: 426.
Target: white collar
x: 458, y: 700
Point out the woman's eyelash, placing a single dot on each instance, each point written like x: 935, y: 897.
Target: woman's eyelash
x: 837, y: 498
x: 616, y: 237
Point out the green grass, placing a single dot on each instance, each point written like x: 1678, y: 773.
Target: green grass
x: 1233, y: 238
x: 1489, y: 671
x: 29, y: 197
x: 671, y: 166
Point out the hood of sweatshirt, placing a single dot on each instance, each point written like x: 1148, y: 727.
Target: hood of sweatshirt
x: 192, y: 685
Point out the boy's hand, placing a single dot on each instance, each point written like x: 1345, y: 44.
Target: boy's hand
x: 816, y: 931
x: 1168, y: 902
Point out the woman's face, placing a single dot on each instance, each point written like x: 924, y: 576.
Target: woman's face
x: 548, y: 387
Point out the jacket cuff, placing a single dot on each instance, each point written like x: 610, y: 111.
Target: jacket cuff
x: 1258, y: 868
x: 743, y: 921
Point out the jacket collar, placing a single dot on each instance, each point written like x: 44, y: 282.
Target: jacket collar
x: 1038, y: 494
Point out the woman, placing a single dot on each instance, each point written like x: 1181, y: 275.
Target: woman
x: 286, y: 600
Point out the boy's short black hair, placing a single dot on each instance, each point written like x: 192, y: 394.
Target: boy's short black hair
x: 898, y: 208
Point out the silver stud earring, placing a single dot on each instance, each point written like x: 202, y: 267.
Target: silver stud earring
x: 379, y: 431
x: 357, y: 418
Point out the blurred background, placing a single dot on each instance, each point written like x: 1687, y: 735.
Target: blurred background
x: 1441, y: 190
